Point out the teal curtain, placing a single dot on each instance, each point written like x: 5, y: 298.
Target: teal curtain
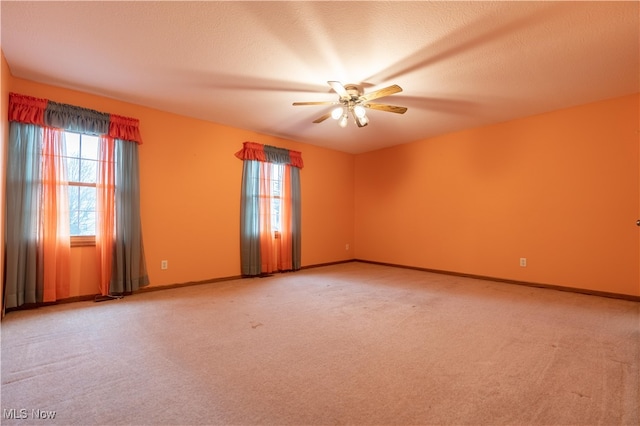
x: 296, y: 218
x: 249, y: 219
x: 129, y: 270
x: 23, y: 270
x: 276, y: 155
x: 76, y: 119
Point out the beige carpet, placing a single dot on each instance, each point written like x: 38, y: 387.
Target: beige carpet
x: 353, y: 343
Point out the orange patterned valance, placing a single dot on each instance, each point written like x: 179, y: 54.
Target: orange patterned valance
x: 46, y: 113
x: 124, y: 128
x: 270, y: 154
x: 26, y: 109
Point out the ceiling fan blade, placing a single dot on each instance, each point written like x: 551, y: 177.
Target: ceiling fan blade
x: 314, y: 103
x: 322, y: 118
x: 381, y: 93
x: 388, y: 108
x: 338, y: 88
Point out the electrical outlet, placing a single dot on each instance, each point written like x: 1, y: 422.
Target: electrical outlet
x: 164, y: 264
x: 523, y: 261
x: 346, y: 246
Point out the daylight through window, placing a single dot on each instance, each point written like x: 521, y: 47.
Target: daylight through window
x: 276, y: 196
x: 82, y: 165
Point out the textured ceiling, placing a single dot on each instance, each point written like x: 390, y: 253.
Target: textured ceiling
x: 461, y: 64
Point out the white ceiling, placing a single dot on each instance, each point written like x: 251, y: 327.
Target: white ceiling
x: 461, y: 64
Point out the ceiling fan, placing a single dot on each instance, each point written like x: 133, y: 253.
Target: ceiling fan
x: 353, y: 100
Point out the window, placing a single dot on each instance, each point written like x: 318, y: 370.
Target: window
x: 276, y: 197
x: 82, y: 165
x: 270, y: 219
x: 47, y: 166
x: 274, y: 182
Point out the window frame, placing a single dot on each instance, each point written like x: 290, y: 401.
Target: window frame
x: 80, y: 240
x: 277, y: 170
x: 276, y: 195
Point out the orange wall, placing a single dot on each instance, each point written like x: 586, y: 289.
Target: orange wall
x: 4, y: 137
x: 560, y: 189
x: 190, y: 194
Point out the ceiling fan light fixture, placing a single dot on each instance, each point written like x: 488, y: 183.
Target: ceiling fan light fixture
x: 343, y: 121
x: 337, y: 113
x: 359, y: 111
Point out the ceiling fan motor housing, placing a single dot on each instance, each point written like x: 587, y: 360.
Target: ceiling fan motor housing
x: 353, y: 91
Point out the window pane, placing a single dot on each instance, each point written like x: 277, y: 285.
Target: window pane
x: 276, y: 192
x: 82, y: 165
x: 73, y: 169
x: 88, y: 171
x: 87, y: 198
x: 86, y: 223
x: 276, y: 179
x: 72, y: 144
x: 82, y: 210
x: 74, y: 199
x: 275, y: 214
x: 89, y: 147
x: 74, y: 227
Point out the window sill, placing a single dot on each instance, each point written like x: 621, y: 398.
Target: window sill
x: 84, y: 241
